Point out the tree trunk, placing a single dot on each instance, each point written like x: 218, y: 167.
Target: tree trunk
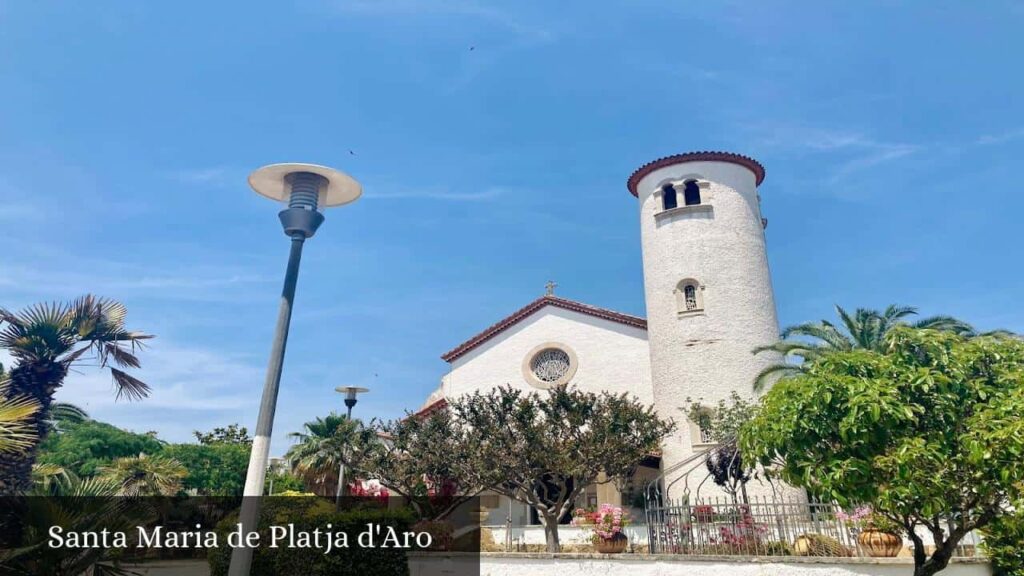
x: 551, y: 531
x: 939, y: 558
x: 37, y: 381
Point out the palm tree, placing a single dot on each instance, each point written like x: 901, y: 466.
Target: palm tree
x: 16, y: 431
x: 320, y: 449
x: 81, y: 505
x: 144, y: 475
x: 46, y: 340
x: 864, y: 329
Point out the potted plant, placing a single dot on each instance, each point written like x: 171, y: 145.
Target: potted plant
x: 605, y: 524
x: 877, y: 535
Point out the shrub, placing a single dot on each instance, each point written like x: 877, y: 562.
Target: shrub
x: 1004, y: 544
x: 307, y: 514
x: 820, y: 545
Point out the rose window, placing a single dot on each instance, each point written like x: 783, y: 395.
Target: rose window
x: 550, y: 365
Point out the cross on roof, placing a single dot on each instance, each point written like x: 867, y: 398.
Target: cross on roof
x: 549, y: 288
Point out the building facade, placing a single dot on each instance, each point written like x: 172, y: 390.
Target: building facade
x: 709, y: 301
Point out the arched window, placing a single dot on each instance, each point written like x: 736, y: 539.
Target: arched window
x: 689, y: 297
x: 707, y: 435
x: 701, y: 431
x: 668, y: 197
x: 691, y: 193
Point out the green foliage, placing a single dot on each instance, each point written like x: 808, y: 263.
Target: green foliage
x: 216, y: 469
x: 143, y: 475
x: 726, y: 464
x: 864, y: 329
x: 544, y: 449
x: 820, y: 545
x: 926, y: 431
x: 84, y: 447
x: 232, y: 434
x: 424, y: 459
x: 16, y: 430
x: 321, y: 449
x: 725, y: 418
x: 47, y: 340
x: 307, y: 514
x: 1003, y: 543
x: 282, y: 482
x: 76, y: 506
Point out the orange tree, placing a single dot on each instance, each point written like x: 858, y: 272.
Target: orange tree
x: 927, y: 429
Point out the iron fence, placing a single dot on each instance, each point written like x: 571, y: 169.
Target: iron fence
x: 761, y: 526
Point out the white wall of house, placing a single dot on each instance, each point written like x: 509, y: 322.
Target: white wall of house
x: 611, y: 356
x: 498, y: 564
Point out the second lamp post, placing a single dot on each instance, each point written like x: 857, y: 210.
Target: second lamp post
x: 351, y: 393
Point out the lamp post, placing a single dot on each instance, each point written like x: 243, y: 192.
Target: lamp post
x: 305, y: 188
x: 350, y: 393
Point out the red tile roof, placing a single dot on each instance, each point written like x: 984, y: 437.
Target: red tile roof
x: 547, y: 300
x: 745, y: 161
x: 429, y: 409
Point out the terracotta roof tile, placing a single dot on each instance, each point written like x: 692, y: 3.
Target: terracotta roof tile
x: 708, y: 156
x: 547, y: 300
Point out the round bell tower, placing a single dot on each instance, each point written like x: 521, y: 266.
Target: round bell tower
x: 707, y: 285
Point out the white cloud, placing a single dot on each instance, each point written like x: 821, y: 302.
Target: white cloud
x: 989, y: 139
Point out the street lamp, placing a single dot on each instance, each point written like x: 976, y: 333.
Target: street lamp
x: 306, y: 189
x: 350, y: 393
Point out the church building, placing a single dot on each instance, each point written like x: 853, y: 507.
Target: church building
x: 709, y: 300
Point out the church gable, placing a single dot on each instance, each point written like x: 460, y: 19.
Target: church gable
x: 554, y: 341
x: 526, y: 311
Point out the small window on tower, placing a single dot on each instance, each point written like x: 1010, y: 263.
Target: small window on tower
x: 691, y: 193
x: 705, y: 433
x: 690, y: 294
x: 668, y: 197
x: 689, y: 297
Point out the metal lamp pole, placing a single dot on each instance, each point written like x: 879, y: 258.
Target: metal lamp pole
x: 350, y: 393
x: 306, y: 188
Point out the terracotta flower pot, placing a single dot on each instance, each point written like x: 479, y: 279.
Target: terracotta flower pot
x: 614, y: 545
x: 880, y: 544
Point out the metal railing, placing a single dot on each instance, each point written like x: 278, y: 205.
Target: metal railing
x: 761, y: 526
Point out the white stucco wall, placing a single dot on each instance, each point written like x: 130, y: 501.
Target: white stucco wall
x: 497, y: 564
x: 705, y: 355
x: 612, y: 357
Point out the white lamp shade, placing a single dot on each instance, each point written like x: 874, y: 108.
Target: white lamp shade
x: 341, y: 188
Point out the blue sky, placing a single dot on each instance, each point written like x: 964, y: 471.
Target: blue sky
x: 892, y: 133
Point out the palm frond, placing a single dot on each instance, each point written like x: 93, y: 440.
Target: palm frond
x: 771, y: 374
x: 67, y: 412
x: 894, y: 312
x: 945, y: 323
x: 129, y: 386
x: 17, y: 431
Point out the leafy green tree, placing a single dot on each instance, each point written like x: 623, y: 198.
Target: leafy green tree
x: 278, y: 482
x: 46, y: 340
x: 318, y: 453
x: 1003, y: 542
x: 85, y: 447
x: 864, y: 329
x: 144, y: 475
x: 421, y: 458
x: 233, y: 434
x: 544, y: 449
x: 216, y: 469
x: 929, y: 432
